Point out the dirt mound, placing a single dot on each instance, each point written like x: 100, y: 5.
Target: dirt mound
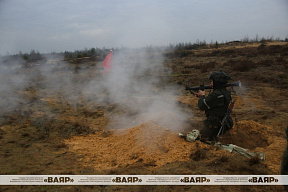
x: 145, y: 145
x: 248, y: 134
x: 150, y: 145
x: 258, y: 137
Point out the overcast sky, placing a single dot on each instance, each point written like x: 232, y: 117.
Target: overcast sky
x: 67, y: 25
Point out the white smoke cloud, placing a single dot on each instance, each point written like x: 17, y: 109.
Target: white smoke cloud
x: 135, y: 85
x: 12, y: 82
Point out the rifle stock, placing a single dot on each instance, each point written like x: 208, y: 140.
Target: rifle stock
x: 224, y: 120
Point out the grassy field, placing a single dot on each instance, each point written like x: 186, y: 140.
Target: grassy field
x: 61, y: 118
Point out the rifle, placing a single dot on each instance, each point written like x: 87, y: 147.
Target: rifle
x: 225, y: 119
x: 202, y: 87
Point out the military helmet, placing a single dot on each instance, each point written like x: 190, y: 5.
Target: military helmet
x: 219, y: 76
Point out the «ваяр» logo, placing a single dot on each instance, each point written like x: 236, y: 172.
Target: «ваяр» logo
x: 127, y: 180
x: 59, y: 180
x: 195, y: 180
x: 263, y: 180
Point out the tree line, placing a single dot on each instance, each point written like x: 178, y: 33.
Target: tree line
x: 98, y: 54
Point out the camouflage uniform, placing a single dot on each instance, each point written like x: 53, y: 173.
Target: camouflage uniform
x: 215, y: 106
x: 284, y: 164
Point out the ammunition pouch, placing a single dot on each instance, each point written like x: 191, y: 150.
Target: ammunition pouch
x: 212, y: 122
x: 229, y: 124
x: 215, y: 122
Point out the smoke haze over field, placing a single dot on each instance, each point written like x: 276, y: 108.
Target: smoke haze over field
x: 56, y: 26
x: 12, y: 80
x: 134, y: 86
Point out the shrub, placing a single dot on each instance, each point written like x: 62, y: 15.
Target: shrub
x: 241, y: 65
x: 206, y: 66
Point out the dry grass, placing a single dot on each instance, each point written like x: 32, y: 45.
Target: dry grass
x: 31, y: 137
